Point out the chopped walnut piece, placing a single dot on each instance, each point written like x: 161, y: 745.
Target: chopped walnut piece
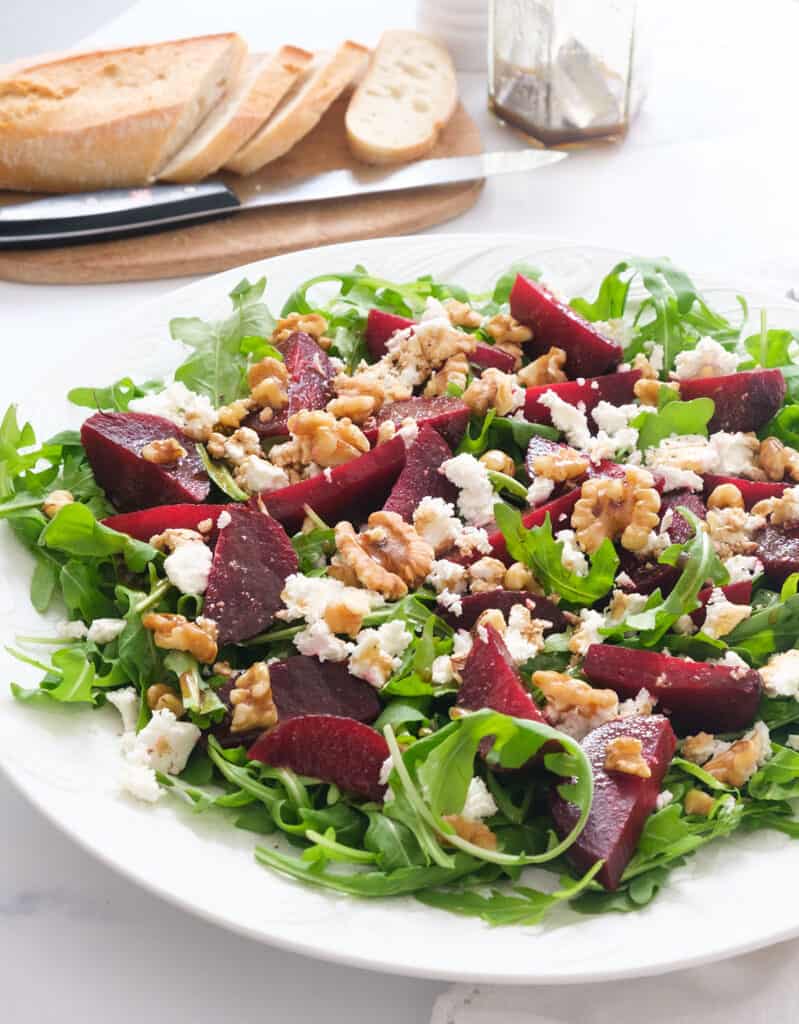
x: 174, y: 537
x: 163, y: 451
x: 268, y: 380
x: 493, y: 390
x: 547, y: 369
x: 737, y: 765
x: 475, y: 832
x: 731, y: 530
x: 161, y: 697
x: 782, y: 511
x: 492, y: 617
x: 574, y: 706
x: 698, y: 748
x: 358, y: 397
x: 454, y: 371
x: 309, y: 323
x: 55, y: 501
x: 230, y: 416
x: 222, y: 668
x: 564, y: 464
x: 498, y: 462
x: 698, y: 802
x: 486, y: 574
x: 778, y: 460
x: 613, y: 507
x: 508, y: 335
x: 461, y: 314
x: 625, y: 754
x: 436, y: 342
x: 645, y: 368
x: 176, y: 633
x: 725, y: 496
x: 388, y: 556
x: 647, y: 389
x: 519, y: 577
x: 386, y: 432
x: 251, y: 700
x: 325, y: 440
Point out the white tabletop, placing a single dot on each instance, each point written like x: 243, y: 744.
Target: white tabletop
x: 707, y: 175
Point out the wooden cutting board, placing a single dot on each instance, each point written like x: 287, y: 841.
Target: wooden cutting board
x: 244, y: 237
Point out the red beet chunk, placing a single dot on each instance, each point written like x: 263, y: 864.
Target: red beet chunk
x: 309, y: 387
x: 329, y: 748
x: 350, y: 491
x: 490, y: 680
x: 698, y: 696
x: 778, y: 550
x: 744, y: 401
x: 559, y: 512
x: 647, y: 576
x: 113, y: 443
x: 149, y: 521
x: 587, y: 350
x: 379, y: 328
x: 488, y: 356
x: 475, y: 604
x: 622, y: 802
x: 252, y: 559
x: 736, y: 593
x: 616, y: 388
x: 752, y: 491
x: 420, y: 476
x: 448, y: 416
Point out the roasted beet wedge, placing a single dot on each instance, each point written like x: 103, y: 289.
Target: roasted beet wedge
x: 350, y: 491
x: 559, y: 512
x: 647, y: 576
x: 420, y: 476
x: 587, y: 350
x: 616, y: 388
x: 328, y: 748
x: 622, y: 802
x: 489, y: 356
x: 490, y: 680
x: 113, y: 443
x: 736, y: 593
x: 148, y: 521
x: 252, y: 559
x: 309, y: 387
x: 475, y: 604
x: 379, y: 328
x: 752, y: 491
x: 744, y: 401
x: 306, y: 686
x: 698, y: 696
x: 778, y: 550
x: 448, y: 416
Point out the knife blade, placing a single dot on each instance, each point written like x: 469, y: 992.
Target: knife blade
x: 87, y: 216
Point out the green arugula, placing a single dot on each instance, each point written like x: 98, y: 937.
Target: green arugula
x: 673, y: 417
x: 767, y: 632
x: 116, y: 397
x: 75, y: 531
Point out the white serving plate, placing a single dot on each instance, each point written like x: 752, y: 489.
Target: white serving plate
x: 733, y: 897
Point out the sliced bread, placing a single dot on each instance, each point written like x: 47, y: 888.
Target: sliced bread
x: 110, y: 118
x: 239, y: 116
x: 404, y: 100
x: 301, y: 110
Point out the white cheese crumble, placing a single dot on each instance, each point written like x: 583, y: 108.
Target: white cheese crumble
x: 140, y: 781
x: 616, y: 330
x: 181, y: 406
x: 539, y: 490
x: 736, y: 453
x: 408, y: 431
x: 318, y: 641
x: 587, y: 633
x: 793, y: 741
x: 722, y: 616
x: 479, y: 802
x: 572, y: 558
x: 664, y: 798
x: 613, y: 418
x: 569, y: 419
x: 308, y: 597
x: 441, y: 671
x: 103, y: 631
x: 780, y: 675
x: 126, y: 701
x: 377, y: 652
x: 449, y: 580
x: 188, y: 567
x: 224, y: 519
x: 435, y: 521
x: 74, y: 630
x: 258, y: 476
x: 164, y: 744
x: 707, y: 359
x: 743, y: 567
x: 476, y: 496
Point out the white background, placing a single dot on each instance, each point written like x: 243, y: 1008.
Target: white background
x: 707, y: 175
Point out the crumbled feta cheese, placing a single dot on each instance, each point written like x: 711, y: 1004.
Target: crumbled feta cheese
x: 188, y: 567
x: 451, y: 601
x: 449, y: 580
x: 441, y: 670
x: 258, y: 476
x: 75, y: 630
x: 386, y: 768
x: 616, y: 329
x: 678, y: 479
x: 793, y: 741
x: 641, y: 704
x: 476, y: 498
x: 736, y: 453
x: 539, y: 490
x: 224, y: 519
x: 308, y: 597
x: 707, y: 359
x: 377, y: 652
x: 408, y: 431
x: 140, y: 781
x: 164, y: 744
x: 655, y: 355
x: 569, y: 419
x: 181, y: 406
x: 732, y: 660
x: 126, y: 701
x: 613, y: 418
x: 572, y: 557
x: 743, y: 567
x: 759, y: 733
x: 685, y: 626
x: 587, y: 633
x: 680, y: 459
x: 461, y: 644
x: 435, y: 521
x: 479, y: 802
x: 780, y: 675
x: 103, y: 631
x: 722, y: 616
x: 318, y: 641
x: 524, y: 636
x: 664, y: 798
x: 473, y: 539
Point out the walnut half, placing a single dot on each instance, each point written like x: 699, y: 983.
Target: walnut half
x: 617, y: 507
x: 251, y: 698
x: 176, y: 633
x: 388, y: 556
x: 625, y: 754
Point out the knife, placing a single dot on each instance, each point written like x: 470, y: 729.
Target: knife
x: 88, y: 216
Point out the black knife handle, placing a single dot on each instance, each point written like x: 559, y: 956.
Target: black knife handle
x: 93, y: 216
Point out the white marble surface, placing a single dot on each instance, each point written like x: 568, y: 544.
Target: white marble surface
x: 707, y: 175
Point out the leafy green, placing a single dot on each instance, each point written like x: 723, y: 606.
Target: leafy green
x: 778, y: 779
x: 220, y: 474
x: 504, y: 284
x: 75, y: 531
x: 217, y: 366
x: 784, y: 426
x: 766, y: 632
x: 538, y: 549
x: 116, y: 397
x: 769, y: 348
x: 511, y: 436
x: 675, y: 417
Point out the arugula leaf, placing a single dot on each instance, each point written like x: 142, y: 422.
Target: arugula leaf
x: 75, y: 531
x: 216, y: 367
x: 538, y: 549
x: 116, y: 397
x: 769, y: 348
x: 71, y: 678
x: 611, y: 300
x: 392, y: 842
x: 778, y: 779
x: 220, y: 474
x: 314, y: 547
x: 511, y: 436
x: 83, y: 590
x: 504, y: 284
x: 773, y: 629
x: 674, y: 417
x: 784, y: 426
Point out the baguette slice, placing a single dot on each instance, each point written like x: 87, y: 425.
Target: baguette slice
x: 110, y: 118
x: 239, y: 116
x: 324, y: 81
x: 405, y: 99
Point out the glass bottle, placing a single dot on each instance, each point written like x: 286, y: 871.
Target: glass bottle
x: 561, y: 70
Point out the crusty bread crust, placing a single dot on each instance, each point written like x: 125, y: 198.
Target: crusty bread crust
x: 239, y: 116
x: 302, y: 109
x: 404, y: 100
x: 109, y: 118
